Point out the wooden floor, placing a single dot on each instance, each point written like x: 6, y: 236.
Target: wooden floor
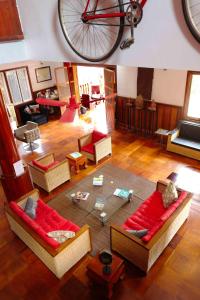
x: 175, y: 275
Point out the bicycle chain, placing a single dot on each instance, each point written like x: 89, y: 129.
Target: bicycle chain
x: 118, y: 25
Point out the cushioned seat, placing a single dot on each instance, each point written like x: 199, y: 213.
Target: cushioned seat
x: 38, y: 118
x: 185, y: 139
x: 47, y: 220
x: 49, y: 173
x: 58, y: 256
x: 28, y: 134
x: 192, y: 144
x: 150, y: 214
x: 88, y: 148
x: 157, y: 224
x: 95, y: 145
x: 34, y: 113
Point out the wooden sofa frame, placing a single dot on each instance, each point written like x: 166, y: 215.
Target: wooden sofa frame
x: 181, y: 149
x: 144, y: 255
x: 59, y: 260
x: 102, y: 148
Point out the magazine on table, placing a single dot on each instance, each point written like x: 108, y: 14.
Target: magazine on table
x: 123, y: 193
x: 82, y: 195
x: 76, y: 154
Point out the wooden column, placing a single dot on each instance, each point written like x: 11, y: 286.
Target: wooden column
x: 14, y: 187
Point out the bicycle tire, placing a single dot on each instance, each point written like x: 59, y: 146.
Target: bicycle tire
x: 87, y: 29
x: 190, y: 15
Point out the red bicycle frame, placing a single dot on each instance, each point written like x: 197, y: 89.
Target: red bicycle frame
x: 105, y: 16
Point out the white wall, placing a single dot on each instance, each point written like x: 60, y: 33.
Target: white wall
x: 127, y: 81
x: 168, y: 85
x: 162, y: 39
x: 32, y: 65
x: 13, y: 52
x: 43, y: 32
x: 45, y: 84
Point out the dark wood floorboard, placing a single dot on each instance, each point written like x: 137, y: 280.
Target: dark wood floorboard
x: 174, y: 276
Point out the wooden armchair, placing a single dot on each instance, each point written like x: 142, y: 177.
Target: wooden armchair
x: 95, y: 145
x: 48, y: 173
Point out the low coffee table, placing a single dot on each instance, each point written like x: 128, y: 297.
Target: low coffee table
x: 76, y: 162
x: 102, y: 193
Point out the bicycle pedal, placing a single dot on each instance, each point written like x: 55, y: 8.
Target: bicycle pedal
x: 126, y: 43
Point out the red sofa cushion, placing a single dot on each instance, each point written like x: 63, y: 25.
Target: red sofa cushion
x: 97, y: 136
x: 152, y: 214
x: 45, y: 167
x: 88, y: 148
x: 50, y: 220
x: 47, y: 219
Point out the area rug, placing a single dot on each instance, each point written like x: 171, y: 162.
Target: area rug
x: 114, y: 177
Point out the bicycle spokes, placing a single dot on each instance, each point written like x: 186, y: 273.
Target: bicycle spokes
x: 94, y: 28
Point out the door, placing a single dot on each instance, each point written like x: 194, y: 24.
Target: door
x: 63, y: 87
x: 110, y: 95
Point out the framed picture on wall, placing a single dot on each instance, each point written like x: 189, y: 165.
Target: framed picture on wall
x: 43, y: 74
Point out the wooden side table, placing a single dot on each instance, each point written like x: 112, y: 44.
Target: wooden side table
x: 162, y: 133
x: 77, y: 162
x: 106, y: 281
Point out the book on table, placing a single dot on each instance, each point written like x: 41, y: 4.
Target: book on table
x: 123, y: 193
x: 76, y: 154
x: 162, y: 131
x: 98, y: 180
x: 82, y: 195
x: 99, y: 204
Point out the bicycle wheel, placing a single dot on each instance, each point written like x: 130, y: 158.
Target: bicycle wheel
x: 90, y: 41
x: 191, y: 10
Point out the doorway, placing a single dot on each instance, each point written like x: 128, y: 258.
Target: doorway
x: 98, y: 85
x: 91, y: 80
x: 92, y: 94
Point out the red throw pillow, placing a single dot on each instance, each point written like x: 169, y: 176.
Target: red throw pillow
x: 97, y: 136
x: 46, y: 167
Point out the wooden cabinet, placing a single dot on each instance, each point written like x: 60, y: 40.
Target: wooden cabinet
x: 10, y: 27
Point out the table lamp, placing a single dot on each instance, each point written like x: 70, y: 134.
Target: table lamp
x: 105, y: 257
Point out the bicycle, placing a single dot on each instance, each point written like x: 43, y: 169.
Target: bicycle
x: 94, y: 28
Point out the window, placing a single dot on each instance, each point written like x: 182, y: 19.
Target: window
x: 16, y: 86
x: 192, y: 99
x: 4, y: 90
x: 6, y: 98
